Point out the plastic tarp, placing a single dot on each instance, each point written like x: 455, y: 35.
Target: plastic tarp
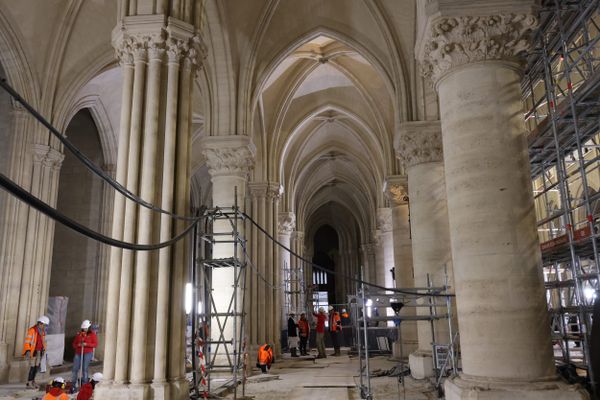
x: 55, y: 335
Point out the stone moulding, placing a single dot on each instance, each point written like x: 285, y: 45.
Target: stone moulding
x: 456, y: 41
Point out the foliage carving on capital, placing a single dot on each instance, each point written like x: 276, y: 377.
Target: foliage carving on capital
x: 229, y: 161
x: 419, y: 143
x: 133, y: 45
x: 47, y: 156
x: 286, y: 223
x: 455, y: 41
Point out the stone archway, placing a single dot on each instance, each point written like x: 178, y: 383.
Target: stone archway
x: 76, y: 268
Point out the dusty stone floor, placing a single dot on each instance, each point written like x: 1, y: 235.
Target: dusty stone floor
x: 333, y: 378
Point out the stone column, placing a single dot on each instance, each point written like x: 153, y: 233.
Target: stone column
x: 229, y: 159
x: 289, y: 294
x: 101, y: 288
x: 396, y: 191
x: 504, y: 327
x: 145, y: 345
x: 419, y: 145
x: 30, y: 255
x: 385, y: 248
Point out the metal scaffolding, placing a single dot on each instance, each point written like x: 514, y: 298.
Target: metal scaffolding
x: 294, y: 290
x: 218, y: 345
x: 561, y: 90
x: 436, y: 300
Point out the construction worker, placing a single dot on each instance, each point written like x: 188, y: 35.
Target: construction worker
x: 321, y: 318
x: 84, y: 344
x: 335, y: 328
x: 34, y: 348
x: 87, y: 389
x: 304, y: 331
x: 265, y: 358
x: 292, y: 335
x: 56, y: 391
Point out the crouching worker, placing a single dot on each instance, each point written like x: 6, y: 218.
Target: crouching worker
x: 56, y: 390
x: 87, y: 389
x: 265, y: 358
x: 34, y: 348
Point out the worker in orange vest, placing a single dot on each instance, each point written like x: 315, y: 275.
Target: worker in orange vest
x: 56, y: 390
x: 34, y: 348
x: 335, y: 328
x: 265, y: 358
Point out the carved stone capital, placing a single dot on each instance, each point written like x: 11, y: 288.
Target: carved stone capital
x: 286, y: 223
x: 143, y: 37
x: 395, y: 189
x: 369, y: 248
x: 47, y: 156
x: 384, y: 219
x: 419, y: 142
x: 452, y: 41
x: 228, y: 155
x: 269, y: 190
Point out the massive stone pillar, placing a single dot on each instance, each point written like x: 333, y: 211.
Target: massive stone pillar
x: 145, y: 345
x: 265, y: 203
x: 504, y: 326
x: 396, y: 191
x: 229, y: 160
x: 27, y: 249
x: 419, y: 145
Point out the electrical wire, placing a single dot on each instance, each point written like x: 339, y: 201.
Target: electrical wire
x: 84, y: 159
x: 56, y: 215
x: 320, y: 268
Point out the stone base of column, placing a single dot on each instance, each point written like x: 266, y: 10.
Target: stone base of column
x: 421, y: 364
x: 462, y: 387
x: 18, y: 371
x: 4, y: 366
x: 178, y: 390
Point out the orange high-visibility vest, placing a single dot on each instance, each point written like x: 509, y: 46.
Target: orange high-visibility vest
x: 61, y: 396
x: 31, y: 338
x: 265, y: 356
x: 335, y: 322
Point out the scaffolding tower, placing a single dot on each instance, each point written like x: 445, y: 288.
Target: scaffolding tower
x: 294, y: 289
x: 436, y: 300
x: 561, y: 90
x: 218, y: 346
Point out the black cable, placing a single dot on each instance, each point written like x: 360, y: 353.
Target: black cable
x: 86, y: 161
x: 51, y: 212
x: 320, y: 268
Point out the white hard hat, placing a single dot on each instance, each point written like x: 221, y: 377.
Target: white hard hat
x: 343, y: 310
x: 86, y: 324
x: 97, y: 377
x: 321, y: 309
x: 330, y: 308
x: 44, y: 320
x: 59, y: 380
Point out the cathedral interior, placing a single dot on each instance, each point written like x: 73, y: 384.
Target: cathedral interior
x: 192, y: 175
